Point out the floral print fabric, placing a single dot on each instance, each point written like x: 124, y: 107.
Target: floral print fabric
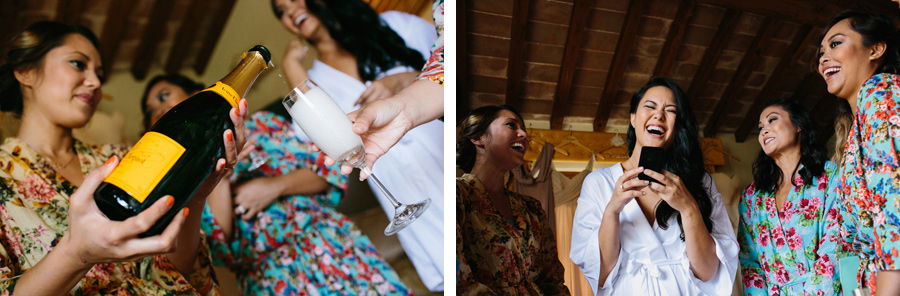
x: 869, y: 179
x: 499, y: 257
x: 434, y: 67
x: 299, y: 245
x: 34, y: 207
x: 792, y: 252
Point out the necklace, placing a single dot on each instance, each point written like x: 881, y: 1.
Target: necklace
x: 63, y: 166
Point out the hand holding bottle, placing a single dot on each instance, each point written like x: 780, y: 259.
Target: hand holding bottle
x: 92, y: 238
x: 97, y: 239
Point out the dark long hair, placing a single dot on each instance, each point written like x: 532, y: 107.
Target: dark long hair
x: 813, y: 154
x: 873, y: 28
x: 359, y: 30
x: 26, y: 51
x: 188, y: 85
x: 473, y: 126
x: 683, y: 157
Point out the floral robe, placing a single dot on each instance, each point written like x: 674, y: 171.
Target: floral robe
x: 298, y: 245
x: 499, y: 257
x: 869, y: 179
x: 791, y: 252
x: 34, y: 208
x: 434, y: 67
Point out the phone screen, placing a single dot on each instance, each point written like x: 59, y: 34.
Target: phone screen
x: 652, y: 158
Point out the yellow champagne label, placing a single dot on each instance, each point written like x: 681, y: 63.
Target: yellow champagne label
x: 145, y: 165
x: 226, y: 92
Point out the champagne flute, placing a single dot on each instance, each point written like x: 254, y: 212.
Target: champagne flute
x: 330, y: 129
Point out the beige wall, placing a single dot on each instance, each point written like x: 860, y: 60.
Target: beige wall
x: 251, y: 22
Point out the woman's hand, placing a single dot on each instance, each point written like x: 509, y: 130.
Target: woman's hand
x: 97, y: 239
x: 386, y: 87
x: 628, y: 187
x: 254, y: 195
x: 296, y: 52
x: 672, y: 191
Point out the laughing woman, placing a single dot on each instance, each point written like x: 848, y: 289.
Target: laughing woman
x: 859, y: 57
x: 788, y: 215
x: 504, y: 244
x: 633, y: 237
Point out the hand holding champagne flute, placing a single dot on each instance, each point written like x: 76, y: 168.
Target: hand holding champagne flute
x: 327, y: 125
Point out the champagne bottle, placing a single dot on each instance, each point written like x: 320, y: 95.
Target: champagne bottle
x: 180, y: 151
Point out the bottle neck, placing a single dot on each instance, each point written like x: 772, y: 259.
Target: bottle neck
x: 245, y: 73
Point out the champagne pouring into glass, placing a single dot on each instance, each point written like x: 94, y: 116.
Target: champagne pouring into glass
x: 330, y: 129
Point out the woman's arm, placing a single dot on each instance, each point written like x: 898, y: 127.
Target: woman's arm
x: 753, y: 279
x: 627, y: 187
x: 466, y: 284
x: 294, y: 56
x: 699, y: 244
x: 256, y: 194
x: 552, y: 279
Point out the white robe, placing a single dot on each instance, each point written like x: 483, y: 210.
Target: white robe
x: 414, y: 168
x: 652, y: 260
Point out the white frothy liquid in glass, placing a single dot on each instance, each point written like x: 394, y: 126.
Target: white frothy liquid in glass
x: 324, y: 122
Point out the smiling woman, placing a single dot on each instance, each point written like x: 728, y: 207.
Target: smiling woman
x: 504, y: 243
x: 620, y: 217
x: 859, y: 58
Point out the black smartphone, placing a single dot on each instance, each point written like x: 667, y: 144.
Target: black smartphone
x: 652, y: 158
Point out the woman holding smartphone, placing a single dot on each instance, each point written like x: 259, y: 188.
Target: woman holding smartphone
x: 637, y: 237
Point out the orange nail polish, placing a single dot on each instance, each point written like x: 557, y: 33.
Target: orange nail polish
x: 186, y: 210
x: 236, y: 113
x: 230, y: 136
x: 110, y: 160
x: 170, y: 201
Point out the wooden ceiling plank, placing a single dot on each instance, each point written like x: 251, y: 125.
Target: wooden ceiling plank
x: 154, y: 32
x: 185, y: 36
x: 11, y: 20
x: 748, y: 63
x: 802, y: 38
x: 815, y: 13
x: 114, y: 29
x: 69, y: 11
x: 712, y: 54
x: 616, y: 72
x: 516, y: 53
x: 212, y: 36
x: 463, y: 105
x: 675, y: 37
x: 577, y: 23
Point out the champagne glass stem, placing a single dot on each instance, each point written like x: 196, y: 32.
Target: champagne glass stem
x: 369, y: 173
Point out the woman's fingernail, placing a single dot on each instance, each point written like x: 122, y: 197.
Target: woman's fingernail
x: 111, y: 160
x: 236, y: 113
x: 244, y: 102
x: 186, y: 211
x: 169, y: 201
x: 229, y: 135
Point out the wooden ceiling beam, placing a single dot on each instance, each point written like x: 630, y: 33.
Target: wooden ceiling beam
x: 516, y: 53
x: 212, y: 35
x: 463, y: 105
x: 185, y: 36
x: 616, y: 71
x: 154, y: 32
x: 712, y: 54
x: 577, y: 23
x: 802, y: 39
x: 69, y: 11
x: 815, y: 13
x: 805, y: 89
x: 114, y: 29
x: 11, y: 19
x: 675, y: 37
x: 748, y: 63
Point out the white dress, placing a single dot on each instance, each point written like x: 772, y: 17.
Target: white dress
x: 414, y: 168
x: 652, y: 260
